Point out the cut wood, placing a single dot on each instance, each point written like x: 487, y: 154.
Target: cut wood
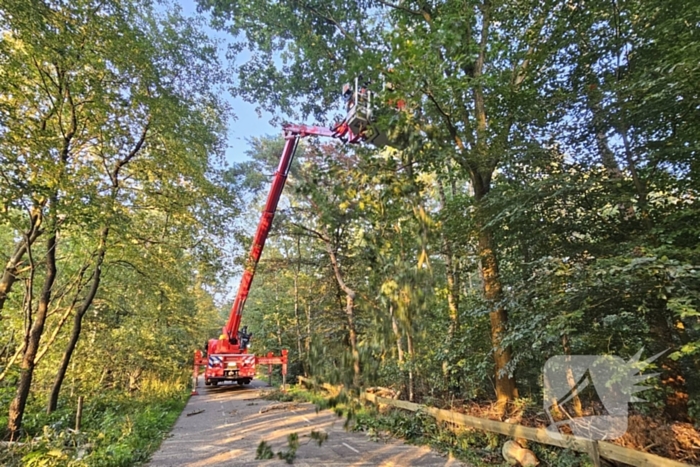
x: 515, y: 454
x: 280, y: 406
x: 383, y: 392
x: 539, y: 435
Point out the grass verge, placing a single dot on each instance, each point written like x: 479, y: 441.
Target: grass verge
x: 118, y: 429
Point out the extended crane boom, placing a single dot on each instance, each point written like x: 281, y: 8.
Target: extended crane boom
x: 228, y: 358
x: 268, y: 214
x: 292, y: 133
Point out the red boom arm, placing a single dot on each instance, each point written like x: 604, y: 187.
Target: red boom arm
x: 227, y: 357
x: 292, y: 133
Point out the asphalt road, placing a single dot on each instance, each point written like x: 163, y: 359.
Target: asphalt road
x: 223, y: 426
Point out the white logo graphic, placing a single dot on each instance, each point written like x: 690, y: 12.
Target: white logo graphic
x: 610, y: 378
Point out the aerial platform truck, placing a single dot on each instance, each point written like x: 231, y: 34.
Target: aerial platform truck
x: 227, y: 358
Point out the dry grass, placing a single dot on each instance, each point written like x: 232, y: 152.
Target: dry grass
x: 675, y: 440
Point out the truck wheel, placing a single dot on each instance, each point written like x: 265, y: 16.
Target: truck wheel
x: 214, y: 382
x: 247, y: 381
x: 207, y: 382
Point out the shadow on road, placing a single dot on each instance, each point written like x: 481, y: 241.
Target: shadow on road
x: 225, y: 424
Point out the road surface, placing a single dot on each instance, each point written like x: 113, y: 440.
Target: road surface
x: 223, y: 426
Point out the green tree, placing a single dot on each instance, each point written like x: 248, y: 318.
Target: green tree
x: 96, y: 136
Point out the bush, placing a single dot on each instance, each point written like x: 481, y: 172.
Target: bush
x: 118, y: 429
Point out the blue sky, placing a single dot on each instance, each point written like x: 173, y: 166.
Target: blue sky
x: 247, y: 123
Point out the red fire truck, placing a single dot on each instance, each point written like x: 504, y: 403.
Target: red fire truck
x: 227, y: 358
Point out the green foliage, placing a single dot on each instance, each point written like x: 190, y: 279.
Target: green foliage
x: 117, y: 148
x: 264, y: 451
x: 421, y: 429
x: 319, y: 436
x: 117, y: 429
x: 565, y: 155
x: 548, y: 170
x: 476, y: 447
x: 292, y: 446
x: 473, y: 446
x: 560, y: 457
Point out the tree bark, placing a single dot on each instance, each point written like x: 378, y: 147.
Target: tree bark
x: 481, y: 170
x: 576, y: 400
x: 307, y: 341
x: 54, y: 334
x: 397, y: 333
x: 411, y: 357
x: 97, y: 274
x: 69, y: 310
x: 453, y: 276
x: 18, y: 404
x: 9, y: 275
x: 607, y: 157
x: 296, y: 308
x: 672, y: 373
x: 78, y: 322
x: 506, y: 389
x: 277, y: 315
x: 349, y: 311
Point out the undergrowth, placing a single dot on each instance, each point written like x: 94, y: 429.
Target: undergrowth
x: 118, y: 429
x: 477, y: 448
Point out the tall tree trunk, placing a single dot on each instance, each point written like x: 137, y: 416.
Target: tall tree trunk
x: 296, y: 308
x: 506, y: 389
x: 300, y: 354
x: 453, y: 275
x: 18, y: 404
x: 69, y: 311
x: 576, y: 400
x: 640, y: 184
x: 397, y: 333
x: 349, y: 311
x: 52, y: 338
x: 607, y: 157
x: 78, y: 322
x: 307, y: 341
x: 9, y: 275
x: 672, y: 373
x: 481, y: 168
x: 277, y: 315
x: 97, y: 274
x: 411, y: 358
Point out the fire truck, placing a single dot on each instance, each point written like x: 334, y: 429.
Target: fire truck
x: 227, y: 358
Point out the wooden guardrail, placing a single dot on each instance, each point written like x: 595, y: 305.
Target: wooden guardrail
x: 594, y: 449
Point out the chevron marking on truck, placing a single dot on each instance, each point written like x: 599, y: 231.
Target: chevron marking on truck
x: 214, y: 361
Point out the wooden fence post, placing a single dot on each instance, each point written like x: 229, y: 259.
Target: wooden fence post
x: 595, y: 449
x: 594, y: 453
x: 79, y: 413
